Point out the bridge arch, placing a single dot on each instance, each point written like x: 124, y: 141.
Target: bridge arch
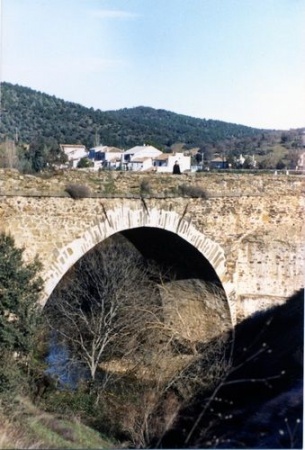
x: 122, y: 219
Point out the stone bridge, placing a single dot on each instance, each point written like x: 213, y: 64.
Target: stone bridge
x: 247, y: 233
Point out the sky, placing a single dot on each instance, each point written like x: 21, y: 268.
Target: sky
x: 240, y: 61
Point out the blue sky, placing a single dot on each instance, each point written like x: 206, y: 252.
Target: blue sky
x: 241, y: 61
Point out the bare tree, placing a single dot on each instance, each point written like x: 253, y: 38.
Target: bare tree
x: 129, y: 321
x: 195, y: 341
x: 105, y: 306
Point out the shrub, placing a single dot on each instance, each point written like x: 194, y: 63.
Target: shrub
x: 109, y: 185
x: 145, y: 187
x: 192, y: 191
x: 20, y: 288
x: 84, y: 163
x: 77, y: 191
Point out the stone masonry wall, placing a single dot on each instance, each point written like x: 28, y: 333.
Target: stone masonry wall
x: 250, y: 227
x: 114, y: 183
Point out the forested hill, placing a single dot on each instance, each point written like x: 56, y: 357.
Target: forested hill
x: 26, y: 114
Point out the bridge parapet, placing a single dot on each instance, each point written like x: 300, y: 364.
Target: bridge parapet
x: 122, y: 184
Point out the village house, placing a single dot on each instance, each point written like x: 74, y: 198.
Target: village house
x: 218, y: 163
x: 139, y: 158
x: 165, y: 162
x: 74, y: 153
x: 104, y: 157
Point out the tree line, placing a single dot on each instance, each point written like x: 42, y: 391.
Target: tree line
x: 27, y: 113
x: 38, y: 123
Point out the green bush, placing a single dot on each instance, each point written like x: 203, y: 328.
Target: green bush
x: 84, y: 163
x: 70, y: 402
x: 20, y: 288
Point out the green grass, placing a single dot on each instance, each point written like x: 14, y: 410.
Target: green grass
x: 30, y: 427
x: 58, y: 433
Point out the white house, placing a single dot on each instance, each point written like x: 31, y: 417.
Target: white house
x: 165, y: 162
x: 139, y: 164
x: 74, y: 153
x: 105, y: 157
x: 139, y: 158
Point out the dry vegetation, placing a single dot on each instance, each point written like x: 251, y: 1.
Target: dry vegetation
x: 145, y: 338
x: 77, y: 191
x: 142, y: 339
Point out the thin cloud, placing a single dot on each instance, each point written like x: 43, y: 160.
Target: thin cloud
x: 114, y: 14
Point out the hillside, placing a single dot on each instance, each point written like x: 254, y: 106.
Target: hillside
x: 27, y: 113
